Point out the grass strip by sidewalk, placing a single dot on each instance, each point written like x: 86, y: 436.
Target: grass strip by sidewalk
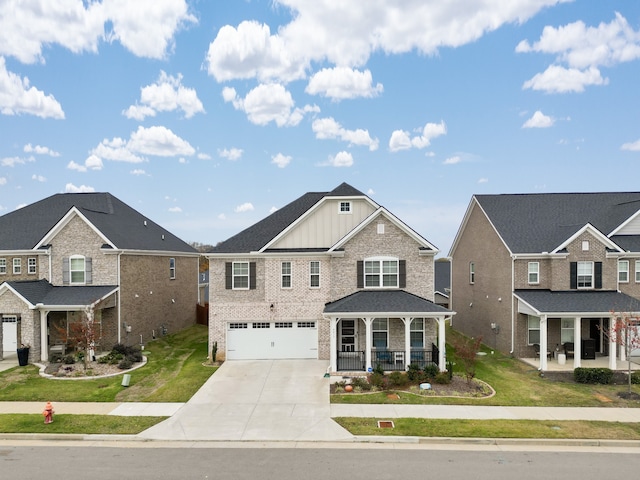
x: 173, y: 373
x: 80, y: 424
x: 426, y: 427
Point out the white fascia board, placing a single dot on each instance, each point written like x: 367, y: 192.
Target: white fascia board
x: 73, y: 212
x: 443, y: 315
x: 526, y: 308
x: 317, y: 205
x: 474, y: 202
x: 34, y: 251
x: 6, y: 287
x: 625, y: 223
x: 592, y: 230
x: 538, y: 256
x: 157, y: 253
x: 433, y: 250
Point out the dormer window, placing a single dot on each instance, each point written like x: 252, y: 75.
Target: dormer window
x: 345, y: 207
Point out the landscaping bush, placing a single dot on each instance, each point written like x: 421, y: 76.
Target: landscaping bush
x: 378, y: 380
x: 442, y: 378
x: 125, y: 364
x: 69, y: 360
x: 416, y: 374
x: 398, y: 379
x: 601, y: 376
x: 360, y: 383
x: 431, y: 371
x: 635, y: 377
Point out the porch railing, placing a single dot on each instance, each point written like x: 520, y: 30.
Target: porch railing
x: 389, y: 360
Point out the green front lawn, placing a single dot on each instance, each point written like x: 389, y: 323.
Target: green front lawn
x: 81, y: 424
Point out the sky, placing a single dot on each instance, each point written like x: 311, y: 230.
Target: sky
x: 207, y: 116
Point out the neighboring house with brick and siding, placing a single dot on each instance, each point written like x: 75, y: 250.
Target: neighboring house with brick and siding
x: 544, y: 273
x: 70, y: 252
x: 332, y: 275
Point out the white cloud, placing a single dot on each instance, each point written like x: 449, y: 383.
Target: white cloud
x: 92, y: 162
x: 245, y: 207
x: 402, y: 140
x: 371, y: 192
x: 347, y: 33
x: 281, y: 160
x: 144, y: 27
x: 273, y: 209
x: 231, y: 153
x: 166, y: 95
x: 343, y: 83
x: 539, y: 120
x: 328, y: 128
x: 137, y: 172
x: 3, y: 181
x: 631, y: 146
x: 204, y: 156
x: 453, y: 160
x: 13, y: 161
x: 341, y: 159
x: 175, y: 210
x: 117, y: 150
x: 71, y: 188
x: 38, y: 178
x: 483, y: 180
x: 580, y: 53
x: 18, y: 97
x: 28, y: 148
x: 268, y: 103
x: 222, y: 216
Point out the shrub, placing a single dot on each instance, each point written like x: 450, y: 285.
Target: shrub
x: 635, y: 377
x: 442, y: 378
x: 431, y: 371
x: 378, y: 380
x: 378, y: 369
x: 398, y: 379
x: 415, y: 373
x: 69, y: 360
x: 125, y: 364
x: 601, y: 376
x: 361, y: 383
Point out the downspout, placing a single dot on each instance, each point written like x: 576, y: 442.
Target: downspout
x: 119, y: 305
x: 513, y: 320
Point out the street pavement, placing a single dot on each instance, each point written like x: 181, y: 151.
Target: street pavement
x: 288, y: 400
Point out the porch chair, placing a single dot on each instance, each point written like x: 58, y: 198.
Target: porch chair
x: 568, y: 349
x: 536, y: 346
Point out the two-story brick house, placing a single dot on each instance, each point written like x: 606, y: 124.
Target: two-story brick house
x: 536, y: 274
x: 332, y: 275
x: 71, y: 252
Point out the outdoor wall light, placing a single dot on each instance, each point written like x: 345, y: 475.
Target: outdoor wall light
x: 272, y: 307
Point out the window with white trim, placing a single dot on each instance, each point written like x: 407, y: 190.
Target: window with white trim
x: 533, y: 275
x: 77, y: 269
x: 623, y: 271
x: 585, y: 245
x: 637, y: 270
x: 314, y: 274
x: 31, y: 266
x: 172, y: 268
x: 416, y: 333
x: 285, y: 272
x: 17, y: 266
x: 345, y: 207
x: 533, y: 330
x: 379, y: 332
x: 381, y: 272
x: 585, y: 274
x: 241, y: 275
x: 3, y: 266
x: 472, y: 273
x: 566, y: 330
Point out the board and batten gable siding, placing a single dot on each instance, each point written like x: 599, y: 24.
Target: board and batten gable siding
x: 394, y: 242
x: 78, y: 238
x: 489, y: 298
x: 326, y: 225
x: 631, y: 228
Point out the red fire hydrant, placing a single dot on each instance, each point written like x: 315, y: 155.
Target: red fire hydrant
x: 48, y: 413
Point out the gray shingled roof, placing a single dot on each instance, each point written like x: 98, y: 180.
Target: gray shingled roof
x: 41, y: 291
x: 384, y: 302
x: 260, y: 234
x: 443, y: 276
x: 575, y: 301
x: 536, y: 223
x: 24, y: 228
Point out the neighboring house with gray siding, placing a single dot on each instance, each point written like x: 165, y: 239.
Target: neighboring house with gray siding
x: 332, y: 275
x: 70, y: 252
x: 547, y: 271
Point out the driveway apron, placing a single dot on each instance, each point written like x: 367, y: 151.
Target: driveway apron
x: 256, y: 400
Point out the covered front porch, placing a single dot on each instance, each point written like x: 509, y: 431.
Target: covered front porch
x: 572, y: 329
x: 387, y: 329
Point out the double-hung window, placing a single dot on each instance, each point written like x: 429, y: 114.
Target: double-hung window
x: 286, y: 274
x: 472, y: 273
x: 585, y: 274
x: 3, y: 266
x: 533, y: 273
x: 381, y: 273
x: 172, y: 268
x: 77, y: 269
x: 17, y: 266
x: 31, y: 266
x: 637, y: 271
x: 417, y: 333
x: 623, y: 271
x: 533, y: 330
x: 566, y: 330
x: 240, y: 275
x: 379, y: 330
x: 314, y: 274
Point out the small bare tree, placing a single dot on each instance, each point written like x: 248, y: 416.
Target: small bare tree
x: 81, y: 333
x: 623, y: 331
x: 466, y: 351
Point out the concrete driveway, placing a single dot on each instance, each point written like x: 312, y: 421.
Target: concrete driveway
x: 257, y: 400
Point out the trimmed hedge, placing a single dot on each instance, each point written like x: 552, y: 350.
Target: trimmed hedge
x: 601, y: 376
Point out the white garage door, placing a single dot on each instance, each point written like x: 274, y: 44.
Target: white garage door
x: 9, y: 334
x: 272, y: 340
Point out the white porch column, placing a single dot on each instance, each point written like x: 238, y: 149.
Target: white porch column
x: 44, y: 337
x: 368, y: 342
x: 612, y: 345
x: 577, y: 342
x: 442, y: 344
x: 407, y: 341
x: 543, y: 343
x: 333, y: 344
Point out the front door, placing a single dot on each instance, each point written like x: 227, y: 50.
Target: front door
x: 348, y: 335
x: 10, y: 334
